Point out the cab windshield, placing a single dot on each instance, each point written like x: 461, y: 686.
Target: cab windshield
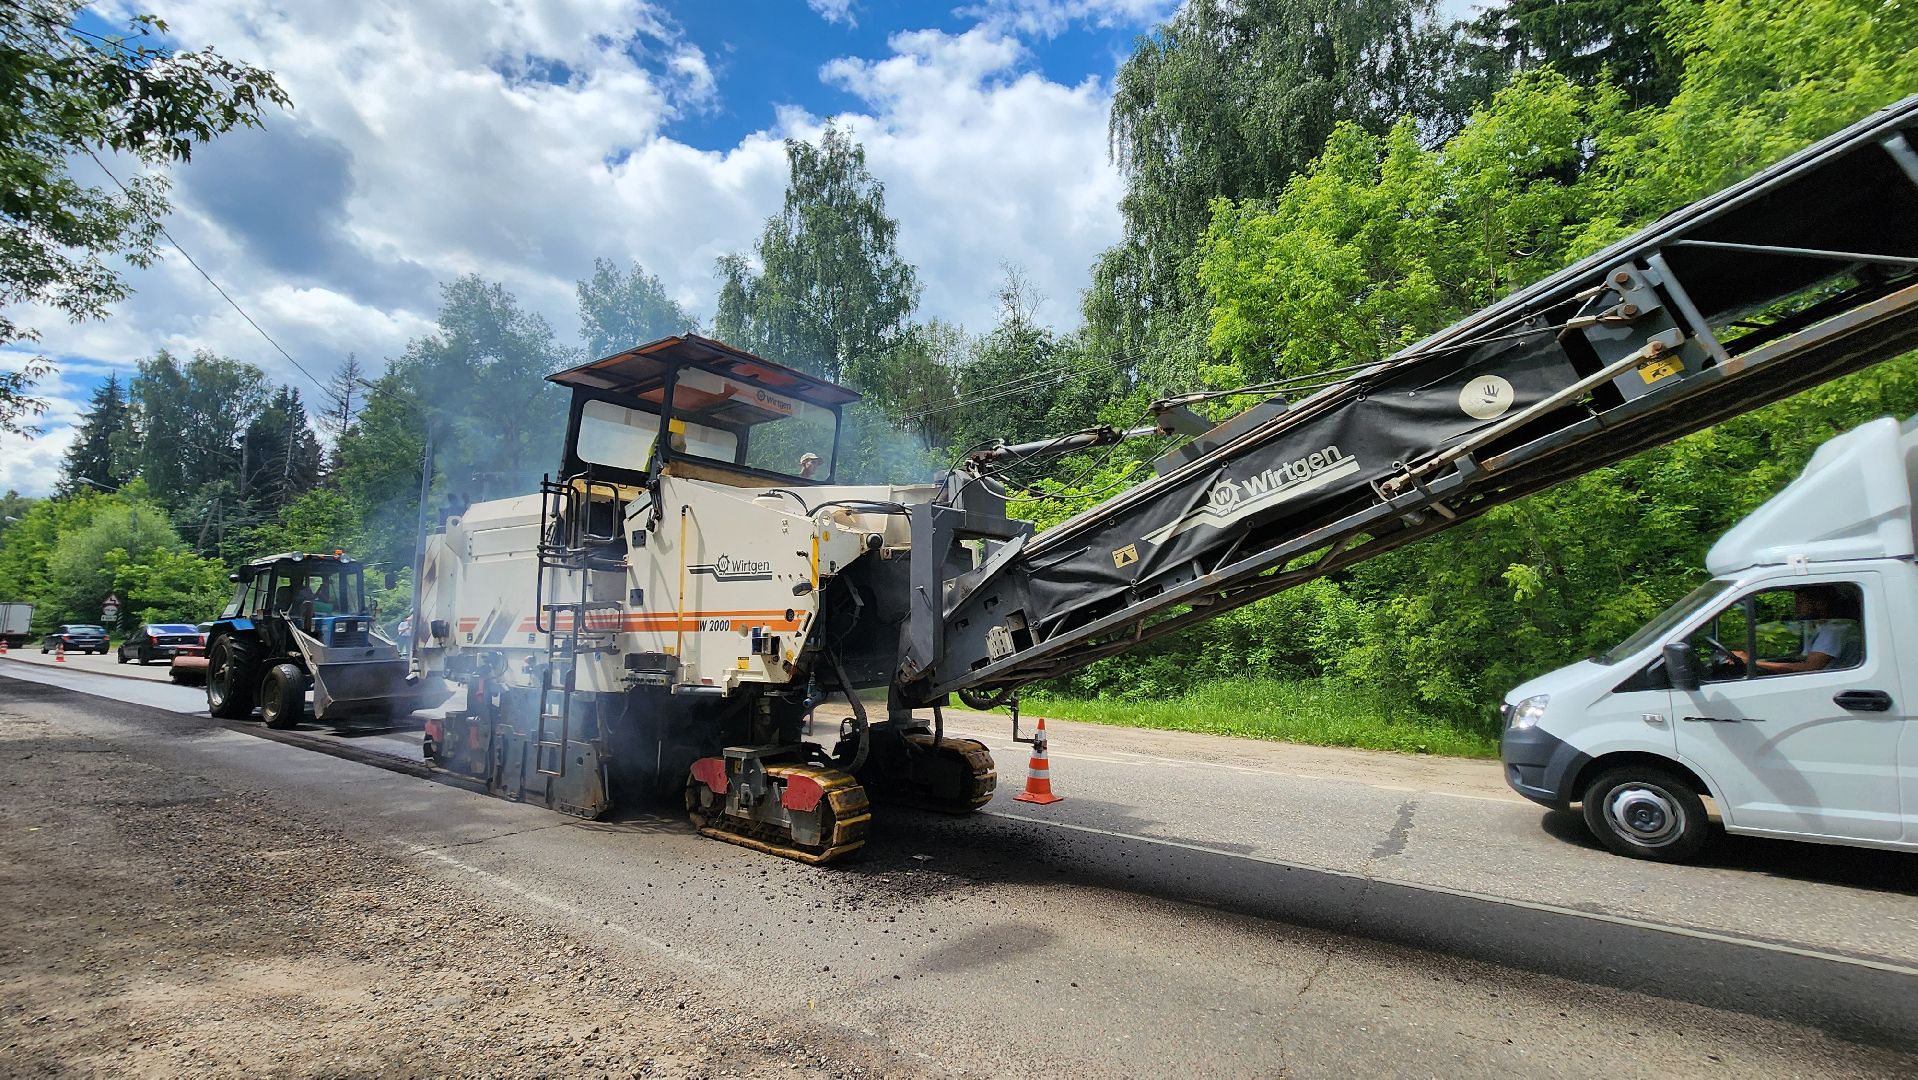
x: 1665, y: 621
x: 332, y: 590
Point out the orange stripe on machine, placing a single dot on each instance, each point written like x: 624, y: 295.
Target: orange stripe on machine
x: 668, y: 622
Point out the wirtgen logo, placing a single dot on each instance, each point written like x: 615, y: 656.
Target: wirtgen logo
x: 1230, y: 500
x: 733, y: 568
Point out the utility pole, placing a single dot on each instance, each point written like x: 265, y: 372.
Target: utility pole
x: 419, y: 550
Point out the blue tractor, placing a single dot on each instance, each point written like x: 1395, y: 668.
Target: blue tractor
x: 300, y: 620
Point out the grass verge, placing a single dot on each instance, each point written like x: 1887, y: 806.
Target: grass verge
x: 1317, y: 713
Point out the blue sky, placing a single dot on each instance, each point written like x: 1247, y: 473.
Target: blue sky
x: 769, y: 52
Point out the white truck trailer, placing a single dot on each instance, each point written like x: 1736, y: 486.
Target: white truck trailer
x: 1776, y: 689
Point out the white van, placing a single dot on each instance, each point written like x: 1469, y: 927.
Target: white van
x: 1776, y: 689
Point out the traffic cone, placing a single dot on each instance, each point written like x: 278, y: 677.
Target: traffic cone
x: 1038, y: 774
x: 3, y: 646
x: 60, y: 653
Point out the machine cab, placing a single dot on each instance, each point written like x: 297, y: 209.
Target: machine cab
x: 695, y: 407
x: 323, y: 595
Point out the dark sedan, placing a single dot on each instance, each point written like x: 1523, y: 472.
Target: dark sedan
x: 76, y: 637
x: 158, y: 641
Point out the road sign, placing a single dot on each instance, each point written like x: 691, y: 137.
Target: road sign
x: 110, y: 608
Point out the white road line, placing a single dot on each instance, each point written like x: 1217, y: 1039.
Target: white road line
x: 1467, y: 894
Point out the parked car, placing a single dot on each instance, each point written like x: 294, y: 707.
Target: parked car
x: 158, y: 641
x: 77, y: 637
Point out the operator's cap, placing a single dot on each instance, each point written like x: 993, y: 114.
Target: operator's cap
x: 808, y: 456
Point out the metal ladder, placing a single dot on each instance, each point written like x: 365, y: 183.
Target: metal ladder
x: 566, y: 549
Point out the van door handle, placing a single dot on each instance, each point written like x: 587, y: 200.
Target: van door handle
x: 1863, y: 700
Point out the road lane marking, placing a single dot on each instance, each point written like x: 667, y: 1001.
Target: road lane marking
x: 1467, y: 894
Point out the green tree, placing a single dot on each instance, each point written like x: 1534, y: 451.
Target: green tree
x: 478, y: 383
x: 319, y: 520
x: 620, y: 310
x: 1623, y: 42
x: 86, y: 559
x: 67, y: 92
x: 282, y: 455
x: 1230, y: 100
x: 191, y: 418
x: 1382, y: 241
x: 832, y: 296
x: 103, y: 441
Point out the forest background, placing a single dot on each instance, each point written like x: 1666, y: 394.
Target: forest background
x: 1309, y: 185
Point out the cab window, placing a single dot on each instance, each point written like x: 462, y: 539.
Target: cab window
x: 616, y: 436
x: 1785, y: 631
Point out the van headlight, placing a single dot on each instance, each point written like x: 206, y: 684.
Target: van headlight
x: 1526, y: 714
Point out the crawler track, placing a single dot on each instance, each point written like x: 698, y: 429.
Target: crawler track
x: 843, y: 815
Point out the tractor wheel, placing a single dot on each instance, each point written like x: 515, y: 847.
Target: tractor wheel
x: 232, y: 675
x: 283, y: 696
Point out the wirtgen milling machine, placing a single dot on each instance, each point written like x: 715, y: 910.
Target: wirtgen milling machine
x: 663, y: 616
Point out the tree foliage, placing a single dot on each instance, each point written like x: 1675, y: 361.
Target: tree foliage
x: 831, y: 295
x: 103, y: 441
x: 1231, y: 100
x: 66, y: 92
x: 1620, y: 42
x: 618, y: 310
x: 1383, y: 241
x: 478, y: 384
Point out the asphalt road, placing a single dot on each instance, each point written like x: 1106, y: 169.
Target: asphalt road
x: 1196, y: 905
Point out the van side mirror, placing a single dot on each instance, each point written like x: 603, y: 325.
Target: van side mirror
x: 1678, y: 666
x: 392, y: 580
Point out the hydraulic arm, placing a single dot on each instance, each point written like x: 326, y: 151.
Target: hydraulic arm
x: 1804, y: 272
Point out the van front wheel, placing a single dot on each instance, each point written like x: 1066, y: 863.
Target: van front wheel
x: 1642, y: 812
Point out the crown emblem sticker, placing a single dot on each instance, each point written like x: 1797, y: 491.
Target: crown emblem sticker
x: 1486, y: 397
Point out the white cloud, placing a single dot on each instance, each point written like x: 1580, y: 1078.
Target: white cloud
x: 1049, y: 18
x: 32, y: 466
x: 433, y: 138
x: 834, y: 11
x: 986, y: 165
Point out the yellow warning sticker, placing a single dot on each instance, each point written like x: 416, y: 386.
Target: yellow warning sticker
x: 742, y: 663
x: 1653, y: 370
x: 1125, y: 556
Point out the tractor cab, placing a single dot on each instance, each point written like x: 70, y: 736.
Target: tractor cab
x: 692, y: 406
x: 323, y: 595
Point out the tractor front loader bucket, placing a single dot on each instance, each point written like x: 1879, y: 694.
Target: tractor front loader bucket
x: 371, y: 689
x: 366, y: 682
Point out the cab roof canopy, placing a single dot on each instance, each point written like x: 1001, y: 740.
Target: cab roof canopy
x: 265, y: 562
x: 641, y: 371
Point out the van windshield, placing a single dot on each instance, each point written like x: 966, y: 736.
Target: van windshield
x: 1666, y: 619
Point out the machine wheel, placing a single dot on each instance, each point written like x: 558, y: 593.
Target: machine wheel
x: 232, y: 675
x: 1643, y: 812
x: 283, y: 696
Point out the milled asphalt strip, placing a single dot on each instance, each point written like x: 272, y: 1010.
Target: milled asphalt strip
x: 1467, y: 894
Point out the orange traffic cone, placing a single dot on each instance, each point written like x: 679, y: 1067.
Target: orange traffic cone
x: 60, y: 653
x: 3, y: 646
x: 1038, y: 773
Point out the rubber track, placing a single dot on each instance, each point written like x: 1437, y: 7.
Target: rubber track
x: 851, y: 811
x: 980, y: 784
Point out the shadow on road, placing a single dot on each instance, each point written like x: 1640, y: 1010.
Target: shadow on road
x: 1825, y: 864
x: 921, y: 856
